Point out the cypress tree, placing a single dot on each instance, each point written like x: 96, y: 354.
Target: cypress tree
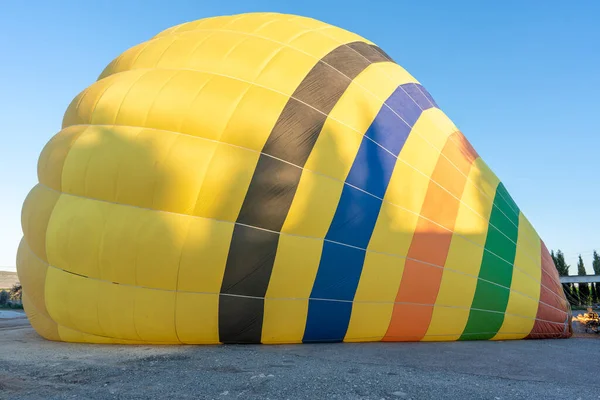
x: 584, y: 288
x: 596, y: 267
x: 561, y: 265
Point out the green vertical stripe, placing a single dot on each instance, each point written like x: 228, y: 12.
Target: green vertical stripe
x: 491, y: 299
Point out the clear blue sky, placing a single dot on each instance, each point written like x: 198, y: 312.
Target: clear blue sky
x: 521, y: 79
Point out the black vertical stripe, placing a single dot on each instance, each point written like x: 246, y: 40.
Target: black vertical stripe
x: 273, y: 186
x: 382, y: 53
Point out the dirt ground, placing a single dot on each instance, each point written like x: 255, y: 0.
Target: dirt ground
x: 33, y: 368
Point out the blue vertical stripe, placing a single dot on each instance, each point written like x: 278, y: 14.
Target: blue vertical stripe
x: 428, y: 95
x: 419, y: 96
x: 330, y: 304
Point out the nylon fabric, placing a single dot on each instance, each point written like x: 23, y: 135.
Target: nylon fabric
x: 270, y: 178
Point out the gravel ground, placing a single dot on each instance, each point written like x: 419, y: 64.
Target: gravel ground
x: 32, y: 368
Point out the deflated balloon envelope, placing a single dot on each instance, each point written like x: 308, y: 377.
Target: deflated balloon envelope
x: 269, y: 178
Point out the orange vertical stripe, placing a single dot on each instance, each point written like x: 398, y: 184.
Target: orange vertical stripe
x: 430, y: 244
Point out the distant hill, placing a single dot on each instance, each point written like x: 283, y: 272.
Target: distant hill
x: 8, y: 279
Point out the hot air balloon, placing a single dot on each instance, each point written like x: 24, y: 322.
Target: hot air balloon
x: 270, y: 178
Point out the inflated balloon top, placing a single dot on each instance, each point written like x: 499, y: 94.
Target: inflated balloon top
x: 269, y: 178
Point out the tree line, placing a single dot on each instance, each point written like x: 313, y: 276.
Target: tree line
x: 580, y: 294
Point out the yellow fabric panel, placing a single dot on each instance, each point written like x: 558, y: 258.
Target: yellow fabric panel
x: 464, y: 256
x: 197, y: 318
x: 142, y: 167
x: 117, y: 243
x: 479, y: 193
x: 281, y: 31
x: 263, y: 60
x: 239, y: 22
x: 295, y: 267
x: 253, y: 22
x: 176, y: 101
x: 420, y: 159
x: 180, y: 51
x: 518, y: 326
x: 226, y: 183
x: 254, y: 118
x: 116, y: 308
x: 338, y: 143
x: 434, y: 127
x: 75, y: 229
x: 90, y: 311
x: 32, y: 275
x: 515, y: 326
x: 72, y: 301
x: 284, y: 321
x: 476, y: 205
x: 392, y: 73
x: 54, y: 154
x: 39, y: 320
x: 161, y: 99
x: 186, y: 52
x: 124, y: 60
x: 87, y: 307
x: 307, y: 22
x: 173, y: 29
x: 395, y: 226
x: 204, y: 255
x: 528, y: 258
x: 314, y: 205
x: 292, y: 278
x: 374, y: 300
x: 341, y: 35
x: 410, y: 178
x: 153, y: 51
x: 35, y: 216
x: 376, y: 314
x: 74, y: 336
x: 522, y: 305
x: 399, y: 213
x: 314, y: 43
x: 116, y: 99
x: 154, y: 315
x: 244, y: 61
x: 231, y: 55
x: 80, y: 110
x: 174, y: 167
x: 463, y: 262
x: 180, y: 106
x: 216, y: 23
x: 452, y: 307
x: 449, y: 323
x: 286, y: 79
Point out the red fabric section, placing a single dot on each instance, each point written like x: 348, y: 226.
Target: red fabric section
x: 553, y: 319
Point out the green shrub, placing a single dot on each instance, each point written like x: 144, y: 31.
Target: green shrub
x: 3, y: 297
